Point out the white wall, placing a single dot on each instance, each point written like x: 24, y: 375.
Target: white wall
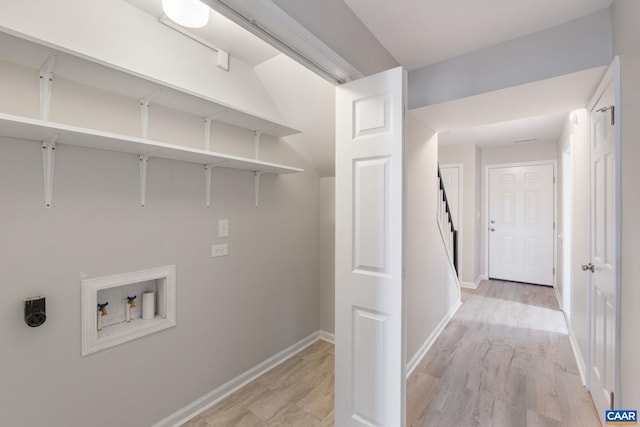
x: 479, y: 196
x: 626, y: 43
x: 466, y: 155
x: 233, y: 312
x: 578, y: 131
x: 431, y: 287
x: 306, y: 102
x: 523, y: 152
x: 326, y: 279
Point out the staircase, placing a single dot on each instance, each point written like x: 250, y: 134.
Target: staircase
x: 445, y: 223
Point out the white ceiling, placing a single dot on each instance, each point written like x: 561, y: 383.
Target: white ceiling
x: 529, y: 130
x: 423, y: 32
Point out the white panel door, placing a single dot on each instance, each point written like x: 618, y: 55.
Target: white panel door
x: 370, y: 360
x: 521, y: 246
x: 451, y: 178
x: 603, y: 251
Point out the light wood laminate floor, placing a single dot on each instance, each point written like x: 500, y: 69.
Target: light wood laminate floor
x: 504, y: 360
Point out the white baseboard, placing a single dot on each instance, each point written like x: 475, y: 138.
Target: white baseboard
x: 559, y: 298
x: 473, y: 285
x: 183, y: 415
x: 577, y: 354
x: 417, y: 358
x: 327, y: 336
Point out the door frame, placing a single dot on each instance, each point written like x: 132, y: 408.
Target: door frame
x: 613, y: 72
x: 485, y: 232
x: 460, y: 230
x: 568, y: 187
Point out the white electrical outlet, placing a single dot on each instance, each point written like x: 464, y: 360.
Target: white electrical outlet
x: 219, y: 250
x: 223, y: 228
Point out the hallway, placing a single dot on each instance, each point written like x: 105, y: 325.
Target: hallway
x: 504, y: 360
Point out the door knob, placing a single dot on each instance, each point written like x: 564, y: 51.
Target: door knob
x: 588, y: 266
x: 492, y: 229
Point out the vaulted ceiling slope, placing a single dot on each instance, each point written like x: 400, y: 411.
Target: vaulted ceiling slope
x: 335, y: 24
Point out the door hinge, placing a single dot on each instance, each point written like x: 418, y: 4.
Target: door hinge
x: 554, y: 271
x: 554, y: 225
x: 612, y: 404
x: 554, y: 179
x: 612, y: 109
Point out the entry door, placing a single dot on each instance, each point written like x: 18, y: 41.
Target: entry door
x: 451, y: 178
x: 604, y: 253
x: 370, y: 359
x: 521, y: 229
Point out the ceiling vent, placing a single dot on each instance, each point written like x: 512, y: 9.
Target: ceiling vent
x: 520, y: 141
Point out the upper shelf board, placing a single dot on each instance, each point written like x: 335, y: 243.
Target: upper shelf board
x: 38, y: 130
x: 90, y: 73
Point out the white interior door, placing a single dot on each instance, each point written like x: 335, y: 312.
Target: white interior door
x: 521, y: 224
x: 451, y: 179
x: 370, y: 359
x: 604, y: 253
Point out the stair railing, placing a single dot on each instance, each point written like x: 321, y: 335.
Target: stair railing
x: 445, y: 210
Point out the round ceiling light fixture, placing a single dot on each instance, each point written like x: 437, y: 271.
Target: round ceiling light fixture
x: 188, y: 13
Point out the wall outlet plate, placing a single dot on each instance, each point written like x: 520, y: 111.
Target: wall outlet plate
x: 223, y: 228
x: 219, y: 250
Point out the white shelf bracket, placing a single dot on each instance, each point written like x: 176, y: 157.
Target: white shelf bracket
x: 257, y: 186
x: 48, y: 165
x: 208, y: 176
x: 208, y: 121
x: 46, y: 86
x: 257, y: 142
x: 144, y: 112
x: 144, y: 160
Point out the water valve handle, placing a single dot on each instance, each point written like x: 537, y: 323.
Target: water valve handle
x: 131, y: 301
x: 102, y: 308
